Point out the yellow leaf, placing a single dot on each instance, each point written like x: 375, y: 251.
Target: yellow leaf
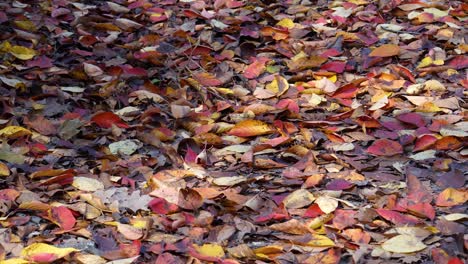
x: 26, y: 25
x: 4, y: 170
x: 14, y: 132
x: 211, y: 250
x: 22, y: 53
x: 286, y: 22
x: 41, y: 252
x: 14, y: 261
x: 320, y: 241
x: 5, y: 46
x: 403, y: 244
x: 248, y: 128
x: 427, y: 61
x: 271, y: 249
x: 428, y: 107
x: 278, y: 86
x: 386, y: 50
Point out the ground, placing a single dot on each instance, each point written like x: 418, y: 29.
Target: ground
x: 230, y: 131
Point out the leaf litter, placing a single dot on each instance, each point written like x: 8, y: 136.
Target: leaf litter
x: 233, y: 132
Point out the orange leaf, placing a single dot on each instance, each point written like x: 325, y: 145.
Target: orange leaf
x: 249, y: 128
x: 448, y: 143
x: 451, y: 197
x: 207, y: 79
x: 386, y: 50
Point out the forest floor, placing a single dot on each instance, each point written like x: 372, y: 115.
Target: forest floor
x: 230, y: 131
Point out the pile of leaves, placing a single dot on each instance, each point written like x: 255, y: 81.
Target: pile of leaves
x: 230, y: 131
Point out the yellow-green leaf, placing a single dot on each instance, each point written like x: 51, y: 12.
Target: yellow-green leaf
x: 211, y: 250
x: 22, y: 53
x: 403, y: 244
x: 14, y: 132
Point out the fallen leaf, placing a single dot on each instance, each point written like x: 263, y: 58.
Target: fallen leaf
x: 45, y: 253
x: 451, y: 197
x: 87, y: 184
x: 249, y: 128
x: 385, y: 147
x: 107, y: 119
x: 126, y: 147
x: 12, y: 132
x: 326, y: 204
x: 22, y: 53
x: 298, y: 199
x: 386, y: 50
x: 210, y: 250
x: 403, y: 244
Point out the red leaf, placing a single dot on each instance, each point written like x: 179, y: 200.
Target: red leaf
x: 397, y: 218
x: 459, y: 62
x: 368, y: 122
x: 334, y: 66
x: 107, y: 119
x: 43, y: 258
x: 256, y: 68
x: 424, y: 142
x: 422, y: 209
x: 161, y: 206
x: 385, y: 147
x: 63, y: 217
x: 313, y: 211
x: 412, y: 118
x: 347, y: 91
x: 344, y: 218
x: 290, y: 104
